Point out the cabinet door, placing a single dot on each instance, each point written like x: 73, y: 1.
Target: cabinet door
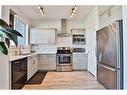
x: 29, y: 68
x: 79, y: 61
x: 43, y: 62
x: 32, y: 37
x: 36, y: 63
x: 42, y: 36
x: 52, y: 62
x: 47, y: 62
x: 52, y: 37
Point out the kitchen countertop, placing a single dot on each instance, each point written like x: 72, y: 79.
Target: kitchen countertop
x: 80, y: 52
x: 47, y: 53
x: 16, y: 57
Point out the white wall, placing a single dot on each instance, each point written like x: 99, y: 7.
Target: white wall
x: 4, y: 65
x: 47, y: 24
x: 106, y: 19
x: 124, y: 16
x: 91, y: 24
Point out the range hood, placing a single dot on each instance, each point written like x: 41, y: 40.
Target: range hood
x: 63, y: 32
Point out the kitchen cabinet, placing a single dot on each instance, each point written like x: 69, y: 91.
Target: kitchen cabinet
x: 80, y: 61
x: 47, y: 62
x: 78, y: 31
x: 32, y: 67
x: 43, y: 36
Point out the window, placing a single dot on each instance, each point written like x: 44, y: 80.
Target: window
x: 20, y: 26
x: 17, y: 23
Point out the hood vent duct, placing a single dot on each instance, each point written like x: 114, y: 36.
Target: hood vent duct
x: 64, y: 29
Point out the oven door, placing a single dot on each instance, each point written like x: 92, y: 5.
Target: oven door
x: 64, y: 59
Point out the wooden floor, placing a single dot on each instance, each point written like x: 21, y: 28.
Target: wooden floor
x: 66, y: 81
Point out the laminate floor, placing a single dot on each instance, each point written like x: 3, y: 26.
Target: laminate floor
x: 67, y: 81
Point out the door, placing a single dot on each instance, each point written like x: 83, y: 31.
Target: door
x: 64, y: 59
x: 106, y: 46
x: 91, y: 47
x: 18, y: 73
x: 52, y: 62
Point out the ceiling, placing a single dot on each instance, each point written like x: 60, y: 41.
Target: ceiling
x: 55, y: 12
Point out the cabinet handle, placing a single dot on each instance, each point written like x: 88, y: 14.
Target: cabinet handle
x: 109, y: 68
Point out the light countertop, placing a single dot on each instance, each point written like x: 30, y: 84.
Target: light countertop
x: 47, y: 53
x: 16, y: 57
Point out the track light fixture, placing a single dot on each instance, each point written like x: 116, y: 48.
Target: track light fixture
x: 73, y: 10
x: 41, y: 10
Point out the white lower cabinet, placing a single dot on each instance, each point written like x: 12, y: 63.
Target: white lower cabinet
x: 80, y: 61
x: 32, y: 66
x: 47, y: 62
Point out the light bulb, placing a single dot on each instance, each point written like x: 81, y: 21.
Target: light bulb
x: 73, y: 11
x: 39, y: 7
x: 75, y: 7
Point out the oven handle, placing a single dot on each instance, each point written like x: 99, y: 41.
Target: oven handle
x: 64, y: 54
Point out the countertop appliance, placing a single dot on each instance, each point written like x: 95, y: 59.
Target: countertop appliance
x: 110, y: 55
x: 64, y: 59
x: 78, y: 50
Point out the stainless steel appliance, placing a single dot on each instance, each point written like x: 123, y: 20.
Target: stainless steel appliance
x: 78, y: 50
x: 64, y: 59
x: 63, y: 32
x: 110, y: 55
x: 18, y: 73
x: 79, y: 39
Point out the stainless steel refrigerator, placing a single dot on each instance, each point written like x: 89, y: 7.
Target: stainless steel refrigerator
x: 110, y: 55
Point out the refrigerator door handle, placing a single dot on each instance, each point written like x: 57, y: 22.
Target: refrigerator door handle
x: 107, y: 67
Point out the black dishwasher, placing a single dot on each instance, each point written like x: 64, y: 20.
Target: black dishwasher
x: 18, y: 73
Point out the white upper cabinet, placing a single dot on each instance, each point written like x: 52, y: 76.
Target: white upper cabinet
x: 43, y: 36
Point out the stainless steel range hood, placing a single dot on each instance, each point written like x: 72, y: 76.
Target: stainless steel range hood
x: 63, y: 32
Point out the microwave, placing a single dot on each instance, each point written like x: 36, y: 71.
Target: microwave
x: 79, y: 39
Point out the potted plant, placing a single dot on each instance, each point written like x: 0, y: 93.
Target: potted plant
x: 7, y: 34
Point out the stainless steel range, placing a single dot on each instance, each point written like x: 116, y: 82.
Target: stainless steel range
x: 64, y: 59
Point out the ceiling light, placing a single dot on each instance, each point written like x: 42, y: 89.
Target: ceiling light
x: 41, y: 10
x: 75, y: 7
x: 39, y: 7
x: 73, y: 10
x: 72, y: 14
